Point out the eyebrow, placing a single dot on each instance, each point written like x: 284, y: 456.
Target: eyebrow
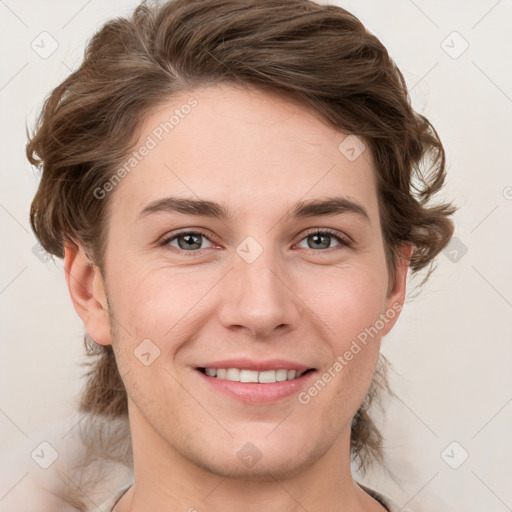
x: 302, y: 209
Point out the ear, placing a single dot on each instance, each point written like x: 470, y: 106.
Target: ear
x: 87, y: 291
x: 397, y: 288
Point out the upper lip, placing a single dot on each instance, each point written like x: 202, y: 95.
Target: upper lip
x: 260, y: 366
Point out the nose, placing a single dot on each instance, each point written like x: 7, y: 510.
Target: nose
x: 258, y: 297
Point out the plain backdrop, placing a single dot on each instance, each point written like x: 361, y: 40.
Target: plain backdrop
x: 448, y: 429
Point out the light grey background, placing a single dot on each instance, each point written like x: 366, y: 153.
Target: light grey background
x: 452, y: 347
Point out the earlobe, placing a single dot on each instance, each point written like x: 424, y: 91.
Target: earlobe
x: 396, y: 292
x: 87, y: 291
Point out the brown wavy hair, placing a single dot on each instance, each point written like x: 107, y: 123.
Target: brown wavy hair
x: 320, y: 55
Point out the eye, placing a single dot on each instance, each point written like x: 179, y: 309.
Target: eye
x: 190, y: 241
x: 322, y: 239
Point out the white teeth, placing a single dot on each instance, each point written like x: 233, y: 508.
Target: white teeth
x: 233, y: 374
x: 265, y: 377
x: 248, y: 376
x: 281, y: 375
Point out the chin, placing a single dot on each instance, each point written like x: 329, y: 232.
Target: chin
x: 258, y: 461
x: 261, y: 471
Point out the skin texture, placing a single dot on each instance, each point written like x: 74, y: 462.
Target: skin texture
x: 302, y: 300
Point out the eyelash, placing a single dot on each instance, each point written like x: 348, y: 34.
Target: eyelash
x: 343, y: 240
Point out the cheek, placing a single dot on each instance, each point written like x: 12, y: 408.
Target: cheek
x: 349, y: 300
x: 354, y: 350
x: 350, y: 305
x: 160, y: 303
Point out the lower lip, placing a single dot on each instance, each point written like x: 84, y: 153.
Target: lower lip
x: 255, y: 393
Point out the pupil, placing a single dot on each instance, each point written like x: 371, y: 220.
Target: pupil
x: 317, y: 237
x: 189, y: 240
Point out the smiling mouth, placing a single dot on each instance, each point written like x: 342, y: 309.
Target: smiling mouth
x: 248, y: 376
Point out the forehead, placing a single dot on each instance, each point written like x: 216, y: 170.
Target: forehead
x: 244, y: 147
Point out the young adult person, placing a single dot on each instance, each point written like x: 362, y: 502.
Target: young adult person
x: 238, y: 190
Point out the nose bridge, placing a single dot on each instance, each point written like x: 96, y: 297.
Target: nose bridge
x: 259, y: 298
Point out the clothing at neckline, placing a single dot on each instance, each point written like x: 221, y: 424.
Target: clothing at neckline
x: 386, y: 502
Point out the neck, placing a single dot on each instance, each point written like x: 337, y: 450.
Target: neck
x: 166, y: 480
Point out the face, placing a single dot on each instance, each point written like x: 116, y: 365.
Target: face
x: 256, y: 278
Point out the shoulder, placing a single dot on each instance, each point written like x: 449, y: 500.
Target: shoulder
x: 386, y: 502
x: 108, y: 505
